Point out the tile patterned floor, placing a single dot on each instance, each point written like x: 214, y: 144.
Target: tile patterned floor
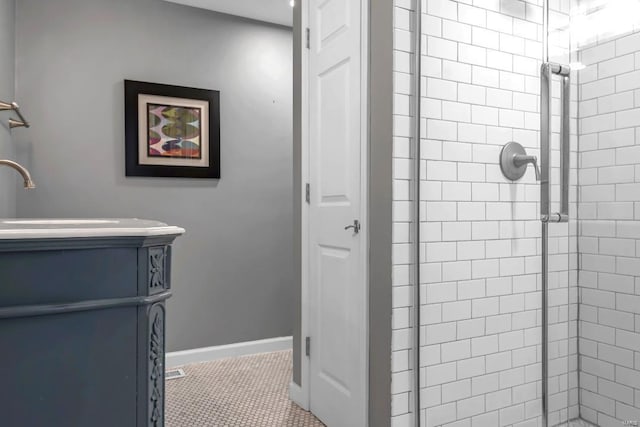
x: 250, y: 391
x: 243, y: 391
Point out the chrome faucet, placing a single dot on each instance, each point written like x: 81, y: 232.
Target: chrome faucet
x: 28, y: 182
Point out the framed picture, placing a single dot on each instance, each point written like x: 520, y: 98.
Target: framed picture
x: 171, y: 131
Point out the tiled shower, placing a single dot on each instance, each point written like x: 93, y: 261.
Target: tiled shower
x: 509, y: 334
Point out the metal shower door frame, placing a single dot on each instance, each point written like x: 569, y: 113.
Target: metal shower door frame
x: 547, y: 71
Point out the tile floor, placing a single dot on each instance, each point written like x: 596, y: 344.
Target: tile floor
x: 243, y: 391
x: 250, y: 391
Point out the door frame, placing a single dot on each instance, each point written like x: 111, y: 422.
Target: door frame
x: 303, y: 393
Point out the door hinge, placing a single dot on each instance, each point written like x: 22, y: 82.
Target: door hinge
x: 307, y: 193
x: 307, y: 346
x: 308, y: 38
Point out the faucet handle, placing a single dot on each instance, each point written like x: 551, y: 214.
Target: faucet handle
x: 523, y: 159
x: 536, y: 167
x: 514, y: 160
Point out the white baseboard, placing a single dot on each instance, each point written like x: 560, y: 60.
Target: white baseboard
x: 298, y: 396
x: 206, y: 354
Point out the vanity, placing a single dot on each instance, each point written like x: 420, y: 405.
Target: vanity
x: 82, y: 322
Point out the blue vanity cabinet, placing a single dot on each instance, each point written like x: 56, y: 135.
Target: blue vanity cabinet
x: 82, y: 331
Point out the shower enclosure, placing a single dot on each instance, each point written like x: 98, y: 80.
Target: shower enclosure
x: 516, y: 300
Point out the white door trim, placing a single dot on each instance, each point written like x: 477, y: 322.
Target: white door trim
x: 364, y: 184
x: 300, y: 394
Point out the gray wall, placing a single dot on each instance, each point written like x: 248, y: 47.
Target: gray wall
x: 7, y: 177
x: 233, y: 270
x: 380, y: 210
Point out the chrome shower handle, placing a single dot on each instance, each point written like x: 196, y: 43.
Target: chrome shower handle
x: 548, y: 69
x: 514, y: 161
x: 523, y: 159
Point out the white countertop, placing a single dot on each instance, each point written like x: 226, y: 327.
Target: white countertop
x: 23, y: 228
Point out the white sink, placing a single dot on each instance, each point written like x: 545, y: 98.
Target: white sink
x: 54, y: 228
x: 60, y: 221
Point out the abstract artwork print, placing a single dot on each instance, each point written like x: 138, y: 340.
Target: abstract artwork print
x: 174, y: 131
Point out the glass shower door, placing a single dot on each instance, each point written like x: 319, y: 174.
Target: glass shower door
x: 494, y: 262
x: 558, y: 221
x: 600, y: 41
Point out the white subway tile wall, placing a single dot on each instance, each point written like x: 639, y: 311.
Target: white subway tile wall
x: 480, y: 272
x: 609, y: 215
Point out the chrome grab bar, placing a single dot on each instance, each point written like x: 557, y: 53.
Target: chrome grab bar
x: 546, y: 73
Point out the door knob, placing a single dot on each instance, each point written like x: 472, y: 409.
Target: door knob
x: 355, y: 226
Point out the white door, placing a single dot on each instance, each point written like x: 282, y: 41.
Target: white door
x: 337, y: 291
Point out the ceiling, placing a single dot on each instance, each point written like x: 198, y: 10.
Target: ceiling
x: 274, y: 11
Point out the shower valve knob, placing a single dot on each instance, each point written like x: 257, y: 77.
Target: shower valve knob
x: 514, y: 161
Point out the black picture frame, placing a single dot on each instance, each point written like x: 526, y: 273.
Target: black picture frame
x: 132, y: 90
